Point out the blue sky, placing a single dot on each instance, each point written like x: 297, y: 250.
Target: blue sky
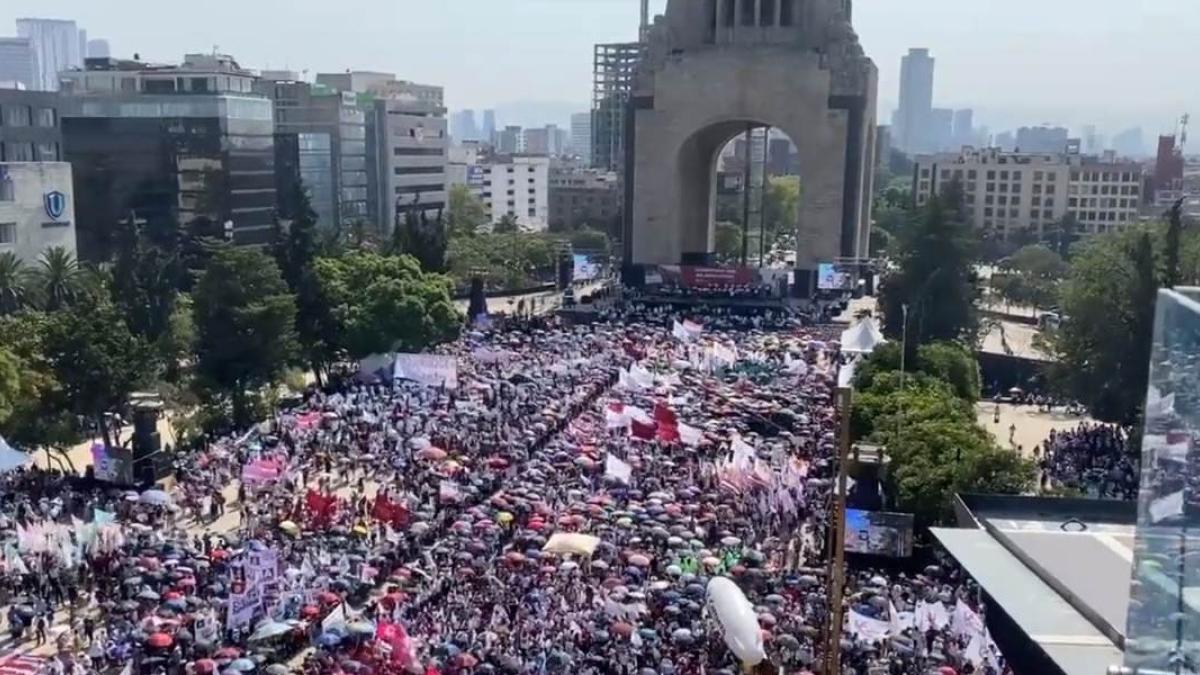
x: 1112, y: 62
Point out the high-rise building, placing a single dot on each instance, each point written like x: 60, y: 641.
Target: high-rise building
x: 1005, y: 140
x: 1042, y: 139
x: 1130, y: 143
x: 510, y: 140
x: 581, y: 136
x: 912, y: 121
x: 320, y: 144
x: 1168, y: 171
x: 98, y: 49
x: 964, y: 128
x: 508, y: 185
x: 462, y: 126
x: 487, y: 133
x: 941, y: 129
x: 171, y: 144
x: 58, y: 48
x: 548, y: 140
x: 1006, y: 192
x: 18, y: 64
x: 614, y: 67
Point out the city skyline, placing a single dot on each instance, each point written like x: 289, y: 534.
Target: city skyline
x: 999, y: 72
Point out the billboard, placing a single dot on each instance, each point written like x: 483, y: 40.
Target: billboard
x: 476, y: 176
x: 833, y: 277
x: 879, y: 533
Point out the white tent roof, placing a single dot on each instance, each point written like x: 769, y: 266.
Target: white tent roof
x: 11, y: 459
x: 862, y: 338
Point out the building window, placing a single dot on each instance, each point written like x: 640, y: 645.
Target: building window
x: 18, y: 152
x: 945, y: 174
x: 989, y: 199
x: 1004, y: 187
x: 1015, y: 201
x: 971, y: 174
x: 729, y: 16
x: 766, y: 13
x: 1003, y: 175
x: 991, y: 175
x: 1037, y: 189
x: 417, y: 152
x: 1016, y: 175
x: 1074, y: 175
x: 8, y: 233
x: 1036, y: 201
x: 987, y: 212
x: 1049, y: 201
x: 924, y: 173
x: 1016, y: 187
x: 45, y: 117
x: 1050, y: 189
x: 6, y: 189
x: 748, y: 12
x: 16, y: 116
x: 1038, y: 175
x: 47, y: 152
x: 1012, y: 213
x: 991, y: 187
x: 532, y: 213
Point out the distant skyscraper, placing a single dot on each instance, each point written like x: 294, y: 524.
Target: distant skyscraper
x: 1168, y: 170
x: 1129, y: 143
x: 510, y: 141
x: 916, y: 102
x: 941, y: 129
x: 462, y: 126
x: 1005, y: 140
x: 581, y: 136
x: 1090, y: 139
x: 964, y: 128
x: 488, y: 132
x: 98, y: 49
x: 57, y: 45
x: 1042, y: 139
x: 18, y: 63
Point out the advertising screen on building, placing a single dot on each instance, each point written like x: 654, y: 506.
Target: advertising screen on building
x: 879, y: 533
x: 832, y: 277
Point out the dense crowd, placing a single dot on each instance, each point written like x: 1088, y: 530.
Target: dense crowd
x: 1093, y: 459
x: 560, y: 508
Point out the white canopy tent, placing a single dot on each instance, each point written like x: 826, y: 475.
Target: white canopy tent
x: 862, y: 338
x: 11, y: 459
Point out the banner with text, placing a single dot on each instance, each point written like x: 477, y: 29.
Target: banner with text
x: 431, y: 370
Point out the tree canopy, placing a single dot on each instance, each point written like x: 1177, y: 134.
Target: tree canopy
x: 245, y: 320
x: 934, y: 254
x: 381, y: 303
x: 465, y: 213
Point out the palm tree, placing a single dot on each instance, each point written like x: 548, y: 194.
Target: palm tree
x: 59, y: 279
x: 14, y: 283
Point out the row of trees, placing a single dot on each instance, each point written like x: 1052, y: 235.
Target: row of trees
x: 926, y: 416
x: 221, y: 324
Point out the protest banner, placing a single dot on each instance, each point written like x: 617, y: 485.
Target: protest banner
x: 618, y: 470
x: 431, y: 370
x: 241, y: 609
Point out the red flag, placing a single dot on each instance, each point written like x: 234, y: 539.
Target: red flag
x: 664, y: 415
x: 668, y: 433
x: 381, y: 510
x: 642, y: 431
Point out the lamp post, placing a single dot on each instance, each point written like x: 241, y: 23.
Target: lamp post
x: 837, y: 574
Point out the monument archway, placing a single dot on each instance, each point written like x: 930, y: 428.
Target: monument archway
x: 713, y: 66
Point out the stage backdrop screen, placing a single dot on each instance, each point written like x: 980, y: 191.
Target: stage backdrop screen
x: 879, y: 533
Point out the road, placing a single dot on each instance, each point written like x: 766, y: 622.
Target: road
x: 1032, y: 427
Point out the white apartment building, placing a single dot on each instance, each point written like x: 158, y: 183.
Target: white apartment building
x: 516, y: 185
x: 1007, y: 191
x: 581, y: 136
x: 37, y: 208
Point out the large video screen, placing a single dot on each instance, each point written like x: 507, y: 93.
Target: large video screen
x: 831, y: 277
x: 585, y: 268
x: 879, y: 533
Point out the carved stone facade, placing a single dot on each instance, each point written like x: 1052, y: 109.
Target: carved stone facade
x: 712, y: 69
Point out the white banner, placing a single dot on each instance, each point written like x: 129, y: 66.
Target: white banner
x: 241, y: 609
x: 431, y: 370
x: 615, y: 468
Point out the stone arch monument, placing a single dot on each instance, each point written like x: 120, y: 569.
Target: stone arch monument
x: 713, y: 67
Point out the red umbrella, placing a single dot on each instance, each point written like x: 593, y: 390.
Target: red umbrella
x: 327, y: 598
x: 172, y: 595
x: 219, y: 554
x: 310, y: 611
x: 466, y: 661
x: 623, y: 629
x: 160, y: 640
x: 228, y: 653
x: 205, y: 666
x: 432, y: 452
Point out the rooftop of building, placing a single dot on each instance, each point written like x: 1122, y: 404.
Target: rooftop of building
x: 973, y: 155
x: 1026, y: 553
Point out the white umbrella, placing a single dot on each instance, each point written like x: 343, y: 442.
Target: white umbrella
x: 155, y: 497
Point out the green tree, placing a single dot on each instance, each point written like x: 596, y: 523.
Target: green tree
x: 953, y: 364
x: 728, y: 241
x: 422, y: 238
x: 1102, y: 350
x: 933, y: 275
x: 1030, y: 276
x: 15, y: 284
x: 380, y: 304
x: 589, y: 240
x: 507, y: 225
x: 59, y: 281
x: 465, y: 213
x: 781, y: 205
x: 146, y: 277
x: 10, y: 383
x: 36, y: 419
x: 1061, y: 235
x: 294, y: 241
x: 245, y: 319
x: 96, y: 361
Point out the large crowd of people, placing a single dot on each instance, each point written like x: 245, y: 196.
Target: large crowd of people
x: 558, y: 501
x: 1093, y: 459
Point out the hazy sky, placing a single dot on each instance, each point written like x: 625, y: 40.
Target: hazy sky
x: 1112, y: 62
